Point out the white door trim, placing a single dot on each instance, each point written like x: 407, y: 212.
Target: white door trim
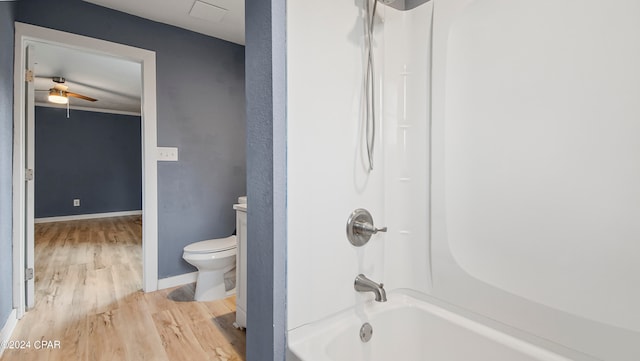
x: 30, y: 161
x: 29, y: 34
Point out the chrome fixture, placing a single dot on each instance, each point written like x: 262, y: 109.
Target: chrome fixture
x: 404, y: 4
x: 360, y: 227
x: 366, y: 331
x: 363, y: 284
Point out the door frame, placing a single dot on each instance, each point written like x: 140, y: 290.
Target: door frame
x: 26, y: 34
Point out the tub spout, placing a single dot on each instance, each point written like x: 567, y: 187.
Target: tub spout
x: 363, y: 284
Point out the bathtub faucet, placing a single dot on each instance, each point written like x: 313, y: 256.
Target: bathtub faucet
x: 363, y: 284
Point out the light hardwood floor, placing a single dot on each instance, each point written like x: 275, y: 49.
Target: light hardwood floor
x: 89, y: 298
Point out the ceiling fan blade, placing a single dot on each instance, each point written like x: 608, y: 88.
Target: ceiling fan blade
x: 80, y: 96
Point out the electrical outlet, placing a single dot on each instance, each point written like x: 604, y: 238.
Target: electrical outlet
x: 168, y: 153
x: 76, y: 202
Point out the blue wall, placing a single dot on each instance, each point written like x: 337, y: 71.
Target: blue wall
x: 95, y: 157
x: 6, y: 154
x: 266, y: 181
x: 201, y: 110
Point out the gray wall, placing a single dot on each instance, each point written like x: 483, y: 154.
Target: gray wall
x: 266, y: 181
x: 201, y: 107
x: 6, y: 154
x: 95, y: 157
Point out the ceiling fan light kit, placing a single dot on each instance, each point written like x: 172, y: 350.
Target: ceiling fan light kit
x: 58, y: 96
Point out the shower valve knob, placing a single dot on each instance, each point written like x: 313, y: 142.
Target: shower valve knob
x: 364, y: 228
x: 360, y: 227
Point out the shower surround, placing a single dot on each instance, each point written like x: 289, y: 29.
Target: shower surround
x: 505, y: 168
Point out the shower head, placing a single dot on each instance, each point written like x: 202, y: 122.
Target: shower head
x: 403, y: 4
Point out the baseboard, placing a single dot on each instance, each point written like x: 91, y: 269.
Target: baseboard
x: 7, y: 329
x: 86, y: 216
x: 178, y: 280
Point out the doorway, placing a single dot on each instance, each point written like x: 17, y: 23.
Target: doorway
x: 23, y: 202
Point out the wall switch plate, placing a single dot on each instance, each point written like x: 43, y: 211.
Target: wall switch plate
x: 76, y: 202
x: 168, y: 154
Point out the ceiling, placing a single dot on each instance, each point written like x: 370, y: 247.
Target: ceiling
x: 116, y: 83
x: 223, y: 19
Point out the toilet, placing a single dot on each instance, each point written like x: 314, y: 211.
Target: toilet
x: 213, y: 258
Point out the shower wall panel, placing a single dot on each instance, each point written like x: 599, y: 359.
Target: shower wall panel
x: 326, y: 162
x: 535, y: 168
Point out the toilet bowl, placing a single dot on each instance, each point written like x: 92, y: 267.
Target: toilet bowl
x: 213, y: 258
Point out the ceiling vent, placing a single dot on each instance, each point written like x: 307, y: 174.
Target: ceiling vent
x: 208, y: 12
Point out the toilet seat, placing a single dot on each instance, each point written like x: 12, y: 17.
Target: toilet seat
x: 212, y: 245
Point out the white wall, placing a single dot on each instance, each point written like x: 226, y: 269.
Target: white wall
x: 406, y: 99
x: 535, y: 173
x: 327, y: 177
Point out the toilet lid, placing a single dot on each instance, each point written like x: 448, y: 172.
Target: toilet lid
x: 212, y: 245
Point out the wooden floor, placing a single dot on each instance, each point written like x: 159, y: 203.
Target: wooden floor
x: 88, y: 297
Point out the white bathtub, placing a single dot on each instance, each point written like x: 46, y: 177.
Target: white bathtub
x: 406, y: 328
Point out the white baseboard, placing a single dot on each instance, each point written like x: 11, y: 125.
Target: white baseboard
x: 178, y: 280
x: 86, y: 216
x: 7, y: 329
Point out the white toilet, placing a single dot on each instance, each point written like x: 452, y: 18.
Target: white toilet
x: 213, y: 258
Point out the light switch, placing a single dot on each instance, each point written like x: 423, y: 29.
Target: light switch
x: 168, y: 154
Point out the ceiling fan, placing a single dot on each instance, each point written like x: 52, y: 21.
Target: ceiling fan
x: 59, y: 94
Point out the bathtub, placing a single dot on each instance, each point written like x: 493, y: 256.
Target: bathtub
x: 408, y: 328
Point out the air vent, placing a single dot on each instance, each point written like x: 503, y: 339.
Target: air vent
x: 208, y: 12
